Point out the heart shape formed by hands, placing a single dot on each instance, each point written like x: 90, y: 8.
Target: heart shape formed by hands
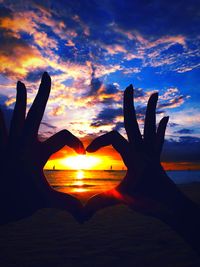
x: 145, y: 187
x: 24, y: 188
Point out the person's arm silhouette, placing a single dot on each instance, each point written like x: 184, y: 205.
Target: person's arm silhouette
x: 24, y: 188
x: 146, y: 187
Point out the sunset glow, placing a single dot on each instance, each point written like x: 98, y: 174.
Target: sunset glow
x: 81, y: 162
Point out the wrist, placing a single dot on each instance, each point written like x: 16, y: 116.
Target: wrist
x: 185, y: 220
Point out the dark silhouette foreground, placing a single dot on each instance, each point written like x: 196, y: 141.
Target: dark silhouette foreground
x: 146, y: 187
x: 24, y: 188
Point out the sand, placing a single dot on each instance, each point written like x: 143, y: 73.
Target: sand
x: 116, y: 236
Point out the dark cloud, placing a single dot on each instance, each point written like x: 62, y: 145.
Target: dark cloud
x: 118, y: 126
x: 111, y: 89
x: 184, y: 131
x: 138, y: 92
x: 101, y: 92
x: 106, y: 117
x: 172, y: 124
x: 174, y: 102
x: 141, y: 111
x: 48, y: 125
x: 46, y: 130
x: 95, y: 83
x: 35, y: 75
x: 187, y: 148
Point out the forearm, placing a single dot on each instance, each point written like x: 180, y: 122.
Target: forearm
x: 185, y: 220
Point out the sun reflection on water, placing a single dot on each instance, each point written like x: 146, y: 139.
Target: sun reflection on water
x: 78, y: 183
x: 80, y: 174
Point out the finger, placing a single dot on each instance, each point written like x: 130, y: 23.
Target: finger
x: 99, y: 202
x: 36, y: 111
x: 130, y: 120
x: 150, y: 121
x: 160, y: 136
x: 3, y: 130
x: 119, y: 143
x: 59, y: 140
x: 19, y: 113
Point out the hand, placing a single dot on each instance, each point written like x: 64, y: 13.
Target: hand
x: 146, y: 187
x: 24, y: 188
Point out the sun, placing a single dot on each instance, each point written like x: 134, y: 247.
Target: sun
x: 81, y: 162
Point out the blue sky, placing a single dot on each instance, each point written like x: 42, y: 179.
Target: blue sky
x: 93, y: 50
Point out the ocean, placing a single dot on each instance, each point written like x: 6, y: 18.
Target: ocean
x: 93, y: 182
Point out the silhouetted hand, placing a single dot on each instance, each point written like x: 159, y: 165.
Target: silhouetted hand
x: 146, y: 187
x: 24, y: 188
x: 145, y: 183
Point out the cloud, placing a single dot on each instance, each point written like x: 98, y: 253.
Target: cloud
x: 57, y: 111
x: 18, y: 58
x: 48, y: 125
x: 171, y: 99
x: 111, y: 111
x: 172, y: 124
x: 185, y: 131
x: 93, y: 50
x: 186, y: 148
x: 106, y: 117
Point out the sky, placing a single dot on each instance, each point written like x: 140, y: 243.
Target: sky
x: 93, y: 50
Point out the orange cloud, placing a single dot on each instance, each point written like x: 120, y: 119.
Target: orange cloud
x: 17, y: 58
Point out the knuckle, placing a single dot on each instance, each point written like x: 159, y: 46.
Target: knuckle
x: 65, y: 133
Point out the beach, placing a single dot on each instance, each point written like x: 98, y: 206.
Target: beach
x: 115, y: 236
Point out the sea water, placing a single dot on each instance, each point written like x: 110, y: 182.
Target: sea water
x: 94, y: 181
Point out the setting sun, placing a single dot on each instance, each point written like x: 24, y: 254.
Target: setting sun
x: 81, y: 162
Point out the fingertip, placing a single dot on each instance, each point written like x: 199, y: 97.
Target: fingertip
x: 20, y: 84
x: 153, y: 99
x: 129, y: 89
x: 21, y: 88
x: 155, y: 95
x: 167, y: 118
x: 89, y: 149
x: 45, y: 74
x: 46, y: 77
